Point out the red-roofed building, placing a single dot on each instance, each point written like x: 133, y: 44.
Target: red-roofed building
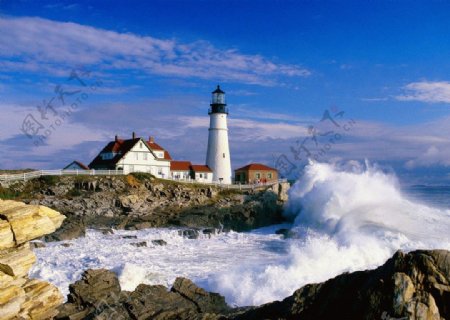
x: 255, y: 173
x: 184, y: 170
x: 202, y: 173
x: 134, y: 155
x: 180, y: 170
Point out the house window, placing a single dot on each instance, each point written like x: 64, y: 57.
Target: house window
x: 141, y: 145
x: 160, y: 171
x: 201, y: 175
x: 258, y: 175
x: 145, y: 156
x: 224, y: 155
x: 269, y: 175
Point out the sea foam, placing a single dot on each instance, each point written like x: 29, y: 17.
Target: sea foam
x: 345, y: 220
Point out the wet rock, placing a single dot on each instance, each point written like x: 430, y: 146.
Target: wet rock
x: 37, y: 244
x: 139, y: 244
x: 286, y: 233
x: 159, y: 242
x: 408, y: 286
x: 189, y: 233
x: 71, y: 228
x: 97, y: 296
x: 129, y: 237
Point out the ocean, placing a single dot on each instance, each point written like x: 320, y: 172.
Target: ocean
x: 343, y: 221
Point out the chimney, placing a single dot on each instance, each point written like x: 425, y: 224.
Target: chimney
x: 134, y: 135
x: 151, y: 139
x: 116, y: 138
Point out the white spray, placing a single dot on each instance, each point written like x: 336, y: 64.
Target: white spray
x: 344, y: 221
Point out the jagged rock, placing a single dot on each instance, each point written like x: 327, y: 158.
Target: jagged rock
x: 16, y: 262
x: 189, y: 233
x: 6, y: 235
x: 37, y: 245
x: 159, y: 242
x: 70, y: 229
x: 139, y: 244
x: 94, y: 286
x: 20, y: 297
x: 206, y: 302
x: 153, y: 204
x: 408, y: 286
x: 97, y: 296
x: 41, y: 300
x: 29, y: 222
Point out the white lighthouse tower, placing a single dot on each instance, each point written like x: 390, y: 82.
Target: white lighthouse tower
x: 218, y: 155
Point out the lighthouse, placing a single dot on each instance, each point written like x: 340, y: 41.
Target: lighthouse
x: 218, y: 154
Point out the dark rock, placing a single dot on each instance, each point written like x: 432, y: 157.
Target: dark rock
x: 37, y: 244
x: 139, y: 244
x: 95, y: 286
x: 408, y: 286
x: 206, y: 302
x: 129, y: 237
x: 159, y: 242
x: 97, y: 296
x: 189, y: 233
x: 65, y: 244
x: 71, y: 228
x: 286, y: 233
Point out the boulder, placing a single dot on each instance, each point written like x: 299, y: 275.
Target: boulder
x: 20, y: 297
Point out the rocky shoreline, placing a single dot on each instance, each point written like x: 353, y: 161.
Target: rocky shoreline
x: 415, y: 285
x: 139, y: 201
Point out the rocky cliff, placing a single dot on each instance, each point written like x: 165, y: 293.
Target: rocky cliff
x: 21, y: 297
x: 140, y: 201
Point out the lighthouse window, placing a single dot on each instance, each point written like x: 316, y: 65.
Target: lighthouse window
x: 224, y: 155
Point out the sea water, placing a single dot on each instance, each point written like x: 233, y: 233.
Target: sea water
x: 344, y: 219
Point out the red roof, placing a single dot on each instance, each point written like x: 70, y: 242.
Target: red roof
x: 200, y: 168
x: 154, y: 146
x: 180, y: 166
x: 120, y: 147
x: 167, y: 156
x: 256, y: 166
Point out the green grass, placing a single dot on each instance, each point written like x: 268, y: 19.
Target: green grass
x: 142, y: 176
x: 49, y: 180
x: 7, y: 194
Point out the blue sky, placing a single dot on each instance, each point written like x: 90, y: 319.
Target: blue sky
x: 149, y: 67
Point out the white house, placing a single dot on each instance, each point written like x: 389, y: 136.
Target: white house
x: 184, y: 170
x: 202, y: 173
x: 134, y: 155
x: 180, y: 170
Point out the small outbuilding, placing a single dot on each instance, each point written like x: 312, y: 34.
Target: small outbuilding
x: 255, y: 173
x: 180, y: 170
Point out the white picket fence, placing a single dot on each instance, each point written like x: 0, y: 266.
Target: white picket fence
x: 40, y: 173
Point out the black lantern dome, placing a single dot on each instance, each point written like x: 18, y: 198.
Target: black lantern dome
x: 218, y: 104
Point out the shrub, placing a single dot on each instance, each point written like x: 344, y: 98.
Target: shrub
x: 143, y: 176
x: 49, y: 180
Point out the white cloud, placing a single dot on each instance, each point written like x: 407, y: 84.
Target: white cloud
x: 432, y: 156
x: 38, y: 45
x: 426, y: 91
